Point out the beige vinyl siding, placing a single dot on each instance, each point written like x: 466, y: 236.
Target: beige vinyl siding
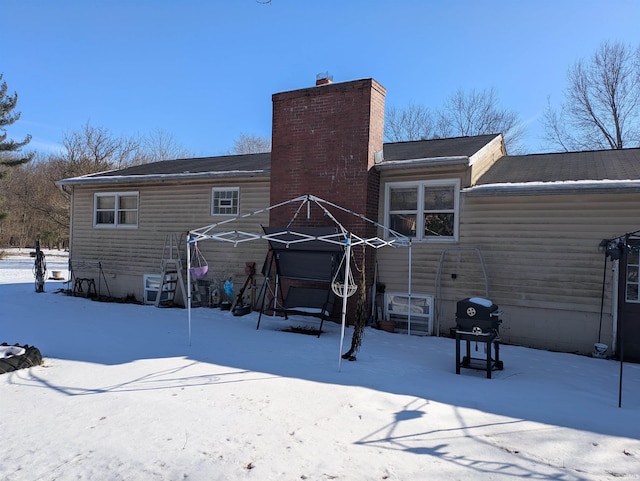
x: 165, y: 209
x: 544, y: 267
x: 543, y: 250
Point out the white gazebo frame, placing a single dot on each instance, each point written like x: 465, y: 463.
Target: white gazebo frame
x: 344, y: 238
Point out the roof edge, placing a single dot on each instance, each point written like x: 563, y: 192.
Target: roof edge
x: 558, y: 187
x: 130, y: 179
x: 423, y: 162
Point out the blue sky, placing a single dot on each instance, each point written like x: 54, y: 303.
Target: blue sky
x: 205, y: 70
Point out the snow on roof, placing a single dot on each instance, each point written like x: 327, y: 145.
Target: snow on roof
x: 557, y: 187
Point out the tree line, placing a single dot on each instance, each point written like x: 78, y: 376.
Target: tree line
x: 35, y: 207
x: 600, y: 110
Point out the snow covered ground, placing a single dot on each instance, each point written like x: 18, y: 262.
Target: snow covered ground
x: 122, y: 395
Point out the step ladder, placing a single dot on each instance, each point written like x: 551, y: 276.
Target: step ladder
x: 172, y: 277
x: 170, y: 280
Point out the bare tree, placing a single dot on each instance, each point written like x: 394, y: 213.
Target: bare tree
x: 37, y: 208
x: 463, y: 114
x: 414, y: 122
x: 601, y: 108
x: 477, y: 113
x: 251, y: 144
x: 161, y: 145
x: 94, y: 149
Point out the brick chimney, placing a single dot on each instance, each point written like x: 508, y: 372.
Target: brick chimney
x: 324, y: 140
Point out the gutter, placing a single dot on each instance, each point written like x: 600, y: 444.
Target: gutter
x: 91, y: 179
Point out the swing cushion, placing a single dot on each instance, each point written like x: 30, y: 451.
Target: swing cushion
x: 309, y: 301
x: 199, y: 272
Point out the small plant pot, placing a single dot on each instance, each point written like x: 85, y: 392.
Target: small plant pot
x: 600, y: 350
x: 389, y: 326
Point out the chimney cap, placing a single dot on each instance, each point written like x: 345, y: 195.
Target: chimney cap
x: 324, y: 78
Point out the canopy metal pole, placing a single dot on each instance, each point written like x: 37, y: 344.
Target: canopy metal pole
x: 624, y: 260
x: 344, y: 296
x: 188, y: 286
x: 409, y: 287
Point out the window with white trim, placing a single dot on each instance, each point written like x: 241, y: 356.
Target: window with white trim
x: 115, y: 210
x: 225, y: 201
x: 425, y: 210
x: 633, y: 269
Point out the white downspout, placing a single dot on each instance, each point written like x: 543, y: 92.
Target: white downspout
x: 188, y: 286
x: 71, y: 211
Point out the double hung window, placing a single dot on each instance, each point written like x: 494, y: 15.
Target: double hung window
x: 115, y: 210
x: 633, y: 280
x: 425, y: 210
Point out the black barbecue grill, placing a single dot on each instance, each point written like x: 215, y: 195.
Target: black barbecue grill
x: 478, y: 320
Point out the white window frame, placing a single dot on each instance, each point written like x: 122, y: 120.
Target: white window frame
x: 420, y: 211
x: 632, y: 280
x: 116, y: 210
x: 215, y: 207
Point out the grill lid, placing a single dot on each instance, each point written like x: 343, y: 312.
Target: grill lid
x: 476, y: 308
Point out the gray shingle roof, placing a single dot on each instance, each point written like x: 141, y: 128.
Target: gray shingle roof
x: 429, y: 149
x: 225, y: 163
x: 567, y: 166
x: 420, y: 149
x: 554, y: 167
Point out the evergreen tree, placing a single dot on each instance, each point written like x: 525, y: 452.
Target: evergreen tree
x: 10, y: 155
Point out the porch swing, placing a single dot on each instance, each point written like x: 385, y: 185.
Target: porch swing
x: 307, y: 274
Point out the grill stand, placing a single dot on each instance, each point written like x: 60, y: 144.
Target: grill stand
x: 488, y: 338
